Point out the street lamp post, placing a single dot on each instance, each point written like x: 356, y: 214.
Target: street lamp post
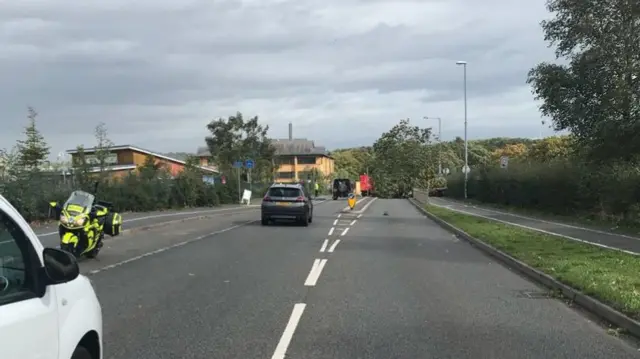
x: 439, y: 141
x: 466, y: 149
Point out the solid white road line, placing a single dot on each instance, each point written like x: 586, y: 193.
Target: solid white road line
x: 170, y: 215
x: 315, y: 272
x: 353, y: 222
x: 333, y: 246
x: 542, y: 231
x: 287, y: 335
x: 324, y: 245
x: 331, y: 230
x: 345, y: 231
x: 541, y: 220
x: 250, y: 206
x: 367, y: 205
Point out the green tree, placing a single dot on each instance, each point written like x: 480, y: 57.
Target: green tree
x: 492, y: 144
x: 351, y: 162
x: 550, y: 148
x: 596, y: 94
x: 479, y: 154
x: 236, y: 139
x: 103, y: 147
x: 81, y: 169
x: 8, y: 159
x: 516, y: 151
x: 190, y: 182
x: 33, y: 150
x: 149, y: 169
x: 403, y: 160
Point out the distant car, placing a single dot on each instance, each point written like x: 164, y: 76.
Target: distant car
x: 287, y: 201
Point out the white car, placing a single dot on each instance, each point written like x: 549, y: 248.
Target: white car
x: 47, y: 309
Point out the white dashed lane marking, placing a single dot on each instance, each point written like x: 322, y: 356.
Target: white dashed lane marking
x: 289, y: 330
x: 333, y: 246
x: 324, y: 245
x: 314, y: 274
x: 316, y: 269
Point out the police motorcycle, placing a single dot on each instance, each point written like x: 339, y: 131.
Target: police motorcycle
x: 83, y: 222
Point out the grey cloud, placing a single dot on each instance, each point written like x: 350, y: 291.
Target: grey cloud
x: 75, y: 59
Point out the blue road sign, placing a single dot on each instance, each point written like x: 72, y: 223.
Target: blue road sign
x: 248, y: 163
x: 237, y: 164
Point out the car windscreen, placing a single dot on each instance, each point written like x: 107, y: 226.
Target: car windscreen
x: 284, y: 192
x: 337, y: 182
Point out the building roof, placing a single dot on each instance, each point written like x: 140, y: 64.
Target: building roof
x: 203, y: 151
x: 286, y: 147
x: 298, y: 147
x: 143, y: 151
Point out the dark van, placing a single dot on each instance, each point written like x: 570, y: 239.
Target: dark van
x: 341, y: 188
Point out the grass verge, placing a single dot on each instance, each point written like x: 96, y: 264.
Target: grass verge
x: 607, y: 275
x: 632, y: 229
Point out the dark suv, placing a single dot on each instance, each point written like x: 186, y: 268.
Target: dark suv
x: 287, y: 201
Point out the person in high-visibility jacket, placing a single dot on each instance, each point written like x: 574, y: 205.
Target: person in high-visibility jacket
x: 317, y: 189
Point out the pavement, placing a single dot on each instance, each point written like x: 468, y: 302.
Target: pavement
x: 354, y: 284
x: 601, y: 238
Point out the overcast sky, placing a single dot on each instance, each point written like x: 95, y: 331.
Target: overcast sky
x: 343, y: 71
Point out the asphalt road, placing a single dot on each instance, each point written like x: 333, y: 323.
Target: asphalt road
x: 138, y: 220
x: 354, y: 284
x: 598, y: 237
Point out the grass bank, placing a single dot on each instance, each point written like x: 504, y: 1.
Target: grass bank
x: 607, y: 275
x: 577, y: 220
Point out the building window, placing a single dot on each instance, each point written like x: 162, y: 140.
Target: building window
x: 306, y: 160
x: 286, y: 175
x: 284, y: 161
x: 306, y: 175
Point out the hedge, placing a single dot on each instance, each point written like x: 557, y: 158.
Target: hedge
x: 31, y: 193
x: 610, y: 193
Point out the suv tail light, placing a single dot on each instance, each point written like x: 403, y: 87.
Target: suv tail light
x: 300, y: 199
x: 266, y: 199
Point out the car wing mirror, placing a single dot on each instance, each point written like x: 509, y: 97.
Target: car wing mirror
x: 59, y: 266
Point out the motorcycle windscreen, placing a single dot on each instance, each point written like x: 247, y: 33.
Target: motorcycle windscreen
x: 79, y: 202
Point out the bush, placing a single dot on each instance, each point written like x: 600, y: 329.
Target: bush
x: 609, y: 192
x: 31, y: 193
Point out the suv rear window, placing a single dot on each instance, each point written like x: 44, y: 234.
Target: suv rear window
x: 284, y: 192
